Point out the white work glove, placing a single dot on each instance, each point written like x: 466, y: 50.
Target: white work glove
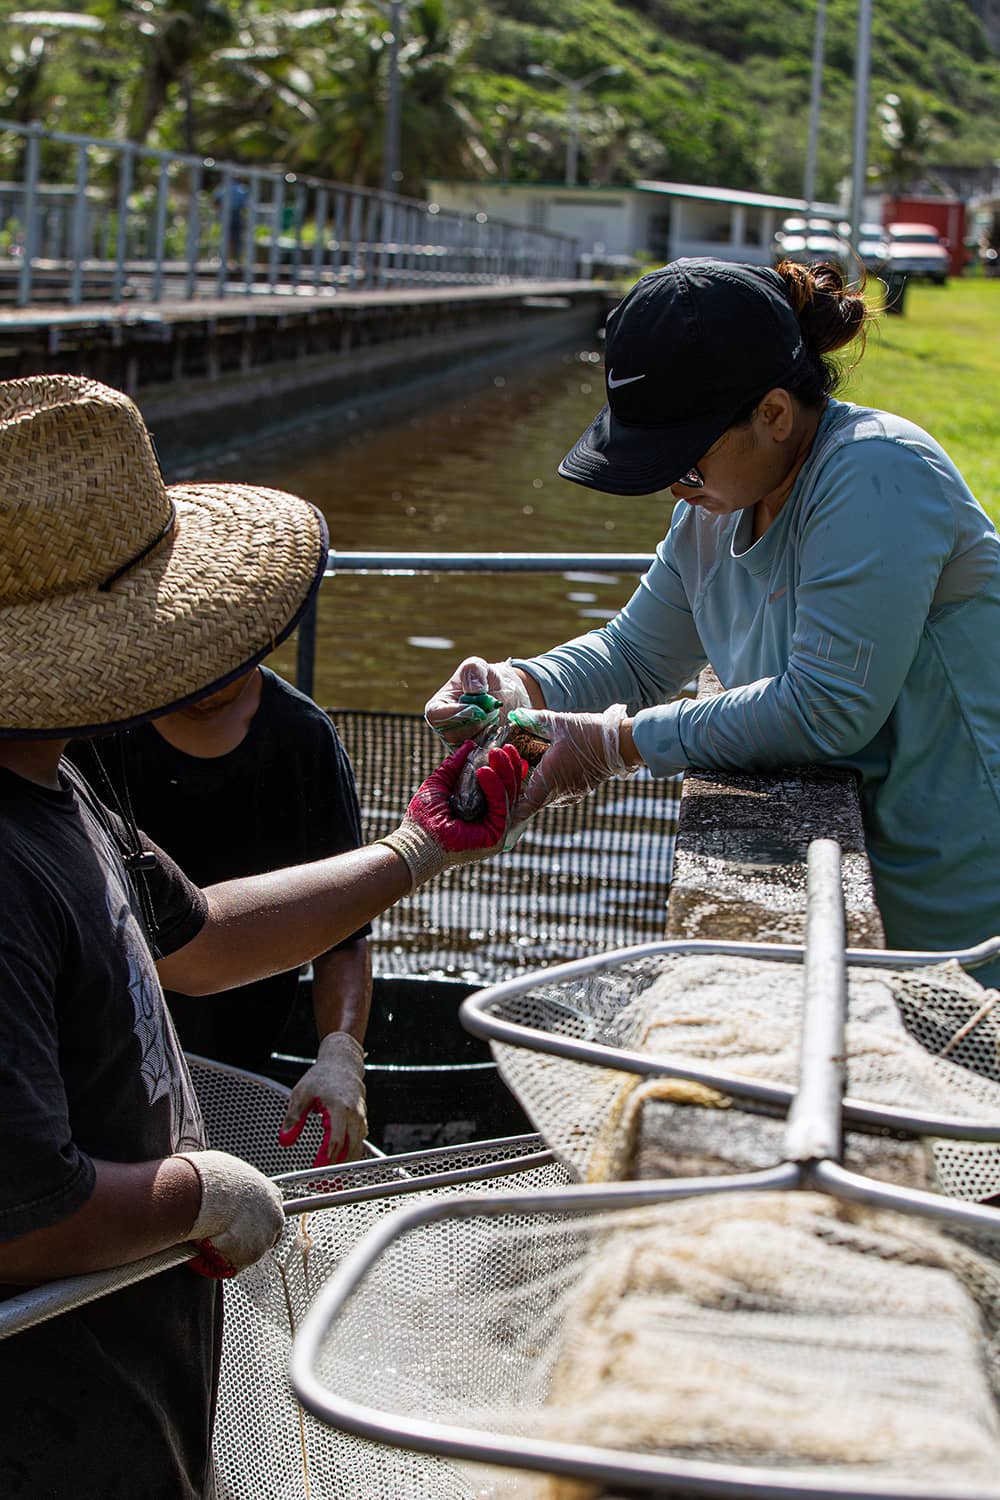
x: 583, y: 751
x: 334, y: 1087
x: 454, y: 712
x: 430, y: 837
x: 241, y: 1213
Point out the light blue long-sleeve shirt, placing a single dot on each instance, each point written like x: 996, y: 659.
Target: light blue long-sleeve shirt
x: 862, y: 631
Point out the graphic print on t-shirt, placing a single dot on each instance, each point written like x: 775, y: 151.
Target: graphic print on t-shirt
x: 162, y: 1070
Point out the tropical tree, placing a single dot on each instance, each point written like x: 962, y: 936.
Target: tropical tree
x: 260, y: 98
x: 166, y: 39
x: 36, y: 37
x: 46, y: 55
x: 908, y: 137
x: 311, y: 89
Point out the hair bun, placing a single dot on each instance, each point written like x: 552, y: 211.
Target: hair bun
x: 830, y: 313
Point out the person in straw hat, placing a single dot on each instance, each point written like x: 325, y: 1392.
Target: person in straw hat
x: 249, y: 779
x: 122, y: 598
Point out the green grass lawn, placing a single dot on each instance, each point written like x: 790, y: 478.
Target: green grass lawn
x: 939, y: 365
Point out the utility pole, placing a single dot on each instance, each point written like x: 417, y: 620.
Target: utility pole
x: 862, y: 72
x: 390, y: 150
x: 815, y: 93
x: 574, y: 88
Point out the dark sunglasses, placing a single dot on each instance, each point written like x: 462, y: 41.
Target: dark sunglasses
x: 692, y: 480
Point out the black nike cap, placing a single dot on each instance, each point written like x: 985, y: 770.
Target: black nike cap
x: 687, y: 349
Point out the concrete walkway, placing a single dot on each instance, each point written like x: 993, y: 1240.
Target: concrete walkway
x: 262, y: 303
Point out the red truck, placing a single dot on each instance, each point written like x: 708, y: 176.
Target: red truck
x: 946, y: 214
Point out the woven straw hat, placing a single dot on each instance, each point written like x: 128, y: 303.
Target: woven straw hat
x: 122, y: 597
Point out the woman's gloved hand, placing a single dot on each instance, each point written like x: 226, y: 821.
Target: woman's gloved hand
x: 241, y: 1213
x: 431, y: 838
x: 475, y: 697
x: 584, y: 750
x: 334, y: 1088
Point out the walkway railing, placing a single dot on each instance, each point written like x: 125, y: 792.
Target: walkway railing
x: 406, y: 563
x: 89, y: 219
x: 591, y: 876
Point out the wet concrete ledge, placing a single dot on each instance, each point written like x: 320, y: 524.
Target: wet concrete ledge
x: 740, y: 857
x: 205, y: 373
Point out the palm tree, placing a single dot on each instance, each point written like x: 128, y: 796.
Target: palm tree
x: 908, y: 135
x: 314, y: 89
x: 175, y: 35
x: 303, y: 88
x: 37, y: 38
x: 440, y: 136
x: 45, y: 51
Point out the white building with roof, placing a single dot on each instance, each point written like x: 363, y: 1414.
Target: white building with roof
x: 656, y: 221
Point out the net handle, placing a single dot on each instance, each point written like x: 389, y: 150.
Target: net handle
x: 40, y: 1303
x: 814, y: 1131
x: 404, y: 1185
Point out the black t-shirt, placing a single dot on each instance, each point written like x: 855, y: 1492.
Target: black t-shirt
x: 113, y: 1400
x: 284, y: 796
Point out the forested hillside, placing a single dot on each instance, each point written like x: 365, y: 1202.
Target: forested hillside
x: 711, y: 91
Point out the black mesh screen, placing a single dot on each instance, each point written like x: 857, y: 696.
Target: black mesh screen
x: 583, y: 879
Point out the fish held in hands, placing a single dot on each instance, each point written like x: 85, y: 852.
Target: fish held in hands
x: 467, y: 801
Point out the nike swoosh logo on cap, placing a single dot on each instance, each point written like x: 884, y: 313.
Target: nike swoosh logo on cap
x: 613, y: 384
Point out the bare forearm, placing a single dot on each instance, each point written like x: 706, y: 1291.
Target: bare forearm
x: 342, y: 990
x: 532, y: 687
x: 266, y: 924
x: 136, y: 1208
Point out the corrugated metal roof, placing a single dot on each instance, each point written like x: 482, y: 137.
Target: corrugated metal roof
x: 666, y: 189
x: 734, y: 195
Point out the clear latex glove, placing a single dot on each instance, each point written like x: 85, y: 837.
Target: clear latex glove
x: 430, y: 837
x: 477, y: 696
x: 583, y: 751
x: 334, y: 1088
x: 241, y: 1213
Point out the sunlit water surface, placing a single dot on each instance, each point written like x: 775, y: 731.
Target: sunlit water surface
x: 472, y: 473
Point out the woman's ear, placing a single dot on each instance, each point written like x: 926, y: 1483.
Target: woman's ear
x: 776, y: 415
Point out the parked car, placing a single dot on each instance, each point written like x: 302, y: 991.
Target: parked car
x: 918, y: 250
x: 807, y: 240
x: 873, y: 246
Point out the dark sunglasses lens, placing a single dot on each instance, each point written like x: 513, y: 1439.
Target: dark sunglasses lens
x: 692, y: 480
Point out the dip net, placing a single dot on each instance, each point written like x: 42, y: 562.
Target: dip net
x: 266, y: 1447
x: 768, y: 1331
x: 730, y: 1302
x: 670, y: 1038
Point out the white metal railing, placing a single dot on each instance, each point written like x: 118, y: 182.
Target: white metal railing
x: 406, y: 563
x: 89, y: 218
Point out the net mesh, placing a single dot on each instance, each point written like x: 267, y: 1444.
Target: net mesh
x: 266, y: 1446
x: 583, y: 879
x: 242, y: 1114
x: 783, y: 1330
x: 790, y: 1331
x: 925, y: 1039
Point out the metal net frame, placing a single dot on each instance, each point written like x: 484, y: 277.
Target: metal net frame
x: 608, y: 1056
x: 242, y: 1112
x: 845, y: 1344
x: 582, y: 879
x: 266, y: 1446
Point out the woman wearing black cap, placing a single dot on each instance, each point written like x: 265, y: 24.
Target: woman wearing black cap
x: 828, y: 560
